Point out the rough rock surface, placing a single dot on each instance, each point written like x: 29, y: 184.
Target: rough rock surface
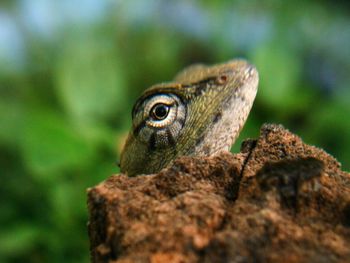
x: 279, y: 200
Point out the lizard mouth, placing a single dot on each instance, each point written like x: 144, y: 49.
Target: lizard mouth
x: 233, y: 109
x: 250, y: 78
x: 243, y: 79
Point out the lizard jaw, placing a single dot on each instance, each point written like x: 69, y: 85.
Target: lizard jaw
x: 231, y: 115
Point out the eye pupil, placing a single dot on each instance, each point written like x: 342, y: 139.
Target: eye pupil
x: 160, y: 111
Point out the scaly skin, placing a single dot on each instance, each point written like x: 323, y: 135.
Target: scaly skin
x: 199, y: 114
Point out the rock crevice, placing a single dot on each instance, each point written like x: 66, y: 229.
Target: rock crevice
x: 278, y: 200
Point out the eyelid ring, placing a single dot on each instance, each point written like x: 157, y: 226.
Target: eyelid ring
x: 167, y: 100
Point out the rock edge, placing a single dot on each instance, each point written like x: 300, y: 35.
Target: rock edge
x: 278, y: 200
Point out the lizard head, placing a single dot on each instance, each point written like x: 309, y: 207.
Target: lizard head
x: 200, y: 113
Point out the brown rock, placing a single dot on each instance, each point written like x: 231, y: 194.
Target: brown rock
x: 279, y: 200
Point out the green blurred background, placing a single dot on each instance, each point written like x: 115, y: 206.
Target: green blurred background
x: 70, y: 72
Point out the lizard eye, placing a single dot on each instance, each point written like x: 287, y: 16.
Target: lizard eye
x: 160, y: 111
x: 159, y: 119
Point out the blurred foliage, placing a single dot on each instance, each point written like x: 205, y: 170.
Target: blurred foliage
x: 70, y: 72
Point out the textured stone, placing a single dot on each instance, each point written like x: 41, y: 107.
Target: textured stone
x: 279, y: 200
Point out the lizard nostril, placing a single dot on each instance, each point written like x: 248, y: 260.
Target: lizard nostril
x: 250, y: 70
x: 222, y: 79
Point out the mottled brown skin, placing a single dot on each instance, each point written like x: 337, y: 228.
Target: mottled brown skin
x: 199, y: 114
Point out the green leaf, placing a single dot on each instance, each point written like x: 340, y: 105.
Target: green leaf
x: 279, y: 72
x: 89, y: 78
x: 11, y: 119
x: 330, y: 130
x: 51, y: 144
x: 66, y: 211
x: 18, y: 238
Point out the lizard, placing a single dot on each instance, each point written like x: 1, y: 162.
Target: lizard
x: 200, y: 113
